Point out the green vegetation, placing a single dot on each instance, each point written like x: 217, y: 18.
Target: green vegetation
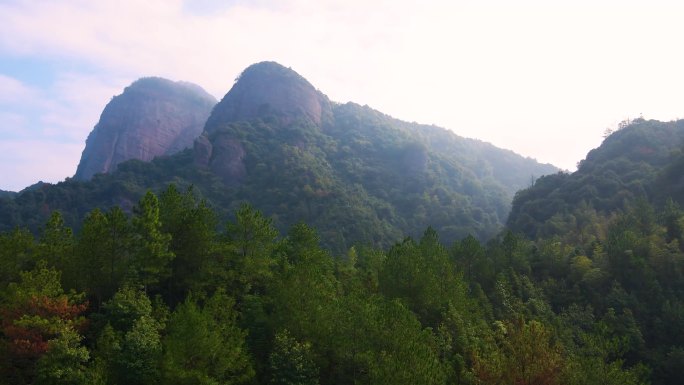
x: 7, y: 194
x: 359, y: 250
x: 615, y: 226
x: 366, y: 179
x: 642, y: 160
x: 163, y: 295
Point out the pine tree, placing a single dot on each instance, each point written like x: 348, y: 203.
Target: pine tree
x: 151, y: 257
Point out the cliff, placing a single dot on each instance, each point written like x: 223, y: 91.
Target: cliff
x: 152, y: 117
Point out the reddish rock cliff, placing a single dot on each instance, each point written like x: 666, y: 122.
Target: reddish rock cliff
x: 152, y: 117
x: 269, y: 89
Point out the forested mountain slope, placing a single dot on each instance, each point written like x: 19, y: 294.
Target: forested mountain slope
x: 7, y: 194
x: 195, y: 286
x: 640, y: 160
x: 353, y: 173
x: 608, y: 241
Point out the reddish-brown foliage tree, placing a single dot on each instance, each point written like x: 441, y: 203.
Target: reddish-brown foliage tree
x: 35, y: 311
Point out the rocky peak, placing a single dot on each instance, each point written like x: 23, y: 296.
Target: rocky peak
x: 269, y: 89
x: 152, y: 117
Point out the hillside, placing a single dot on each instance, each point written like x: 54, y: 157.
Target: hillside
x: 609, y: 239
x: 7, y: 194
x: 641, y: 160
x: 355, y: 174
x: 193, y: 285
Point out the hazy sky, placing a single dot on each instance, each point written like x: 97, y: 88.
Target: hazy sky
x: 542, y: 78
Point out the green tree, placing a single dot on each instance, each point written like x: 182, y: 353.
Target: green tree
x: 468, y: 253
x: 65, y: 361
x: 129, y: 345
x: 151, y: 258
x: 291, y: 362
x: 102, y: 253
x: 138, y: 360
x: 204, y: 345
x: 423, y: 276
x: 16, y: 254
x: 521, y: 353
x: 382, y: 342
x: 56, y: 245
x: 672, y: 219
x: 36, y: 317
x: 248, y: 251
x: 597, y: 358
x: 192, y: 227
x: 304, y: 288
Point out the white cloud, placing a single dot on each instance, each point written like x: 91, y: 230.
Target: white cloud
x: 65, y: 111
x: 13, y: 91
x: 28, y: 161
x: 11, y: 123
x: 77, y: 103
x: 542, y: 78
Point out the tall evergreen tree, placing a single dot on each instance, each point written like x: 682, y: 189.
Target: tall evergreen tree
x: 204, y: 345
x: 151, y: 257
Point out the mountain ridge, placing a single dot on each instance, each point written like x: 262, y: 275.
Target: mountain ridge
x: 354, y: 173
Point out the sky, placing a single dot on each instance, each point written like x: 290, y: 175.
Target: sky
x: 542, y: 78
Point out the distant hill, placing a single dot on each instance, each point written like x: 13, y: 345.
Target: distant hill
x: 152, y: 117
x: 642, y: 160
x: 354, y: 173
x: 7, y: 194
x: 12, y: 194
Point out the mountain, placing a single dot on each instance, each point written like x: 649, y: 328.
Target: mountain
x: 152, y: 117
x: 269, y: 89
x: 354, y: 173
x: 642, y: 160
x: 609, y: 238
x: 595, y: 296
x: 12, y: 194
x: 7, y: 194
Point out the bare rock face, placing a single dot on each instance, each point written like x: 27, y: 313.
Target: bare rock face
x: 224, y: 156
x: 152, y: 117
x: 269, y: 89
x: 265, y: 90
x: 228, y: 160
x: 202, y: 150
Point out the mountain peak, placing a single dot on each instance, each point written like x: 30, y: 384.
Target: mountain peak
x: 270, y: 89
x: 152, y: 117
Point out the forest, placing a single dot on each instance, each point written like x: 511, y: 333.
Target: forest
x: 169, y: 295
x: 641, y: 160
x: 302, y: 241
x: 369, y: 178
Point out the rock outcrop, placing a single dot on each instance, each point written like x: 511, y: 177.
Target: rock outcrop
x: 265, y: 90
x: 152, y: 117
x: 270, y: 89
x: 356, y: 175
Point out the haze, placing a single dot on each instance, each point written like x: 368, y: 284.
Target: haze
x: 542, y: 79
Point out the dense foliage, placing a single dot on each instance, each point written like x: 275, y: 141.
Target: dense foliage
x: 643, y: 159
x: 162, y: 296
x: 367, y: 178
x: 617, y: 225
x: 161, y: 273
x: 7, y: 194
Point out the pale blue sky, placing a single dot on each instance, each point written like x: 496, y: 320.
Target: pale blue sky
x: 542, y: 78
